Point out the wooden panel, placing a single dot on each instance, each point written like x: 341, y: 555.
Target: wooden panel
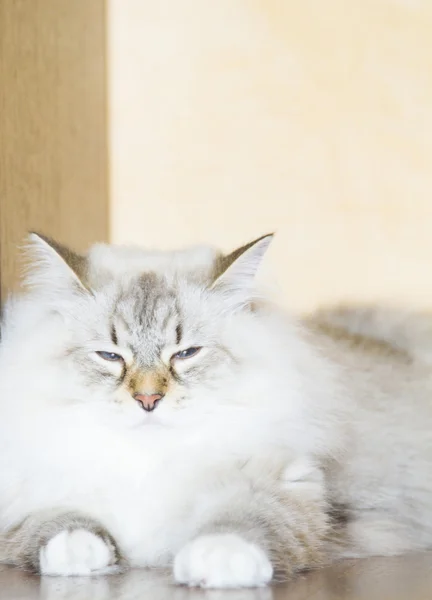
x: 53, y: 141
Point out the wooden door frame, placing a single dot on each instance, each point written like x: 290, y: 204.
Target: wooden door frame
x: 53, y: 124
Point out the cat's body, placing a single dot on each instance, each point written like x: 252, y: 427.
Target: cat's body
x: 255, y: 437
x: 384, y: 481
x: 404, y: 329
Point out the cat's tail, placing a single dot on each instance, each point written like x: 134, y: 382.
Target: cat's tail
x: 405, y: 330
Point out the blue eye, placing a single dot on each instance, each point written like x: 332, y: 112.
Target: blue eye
x: 187, y: 353
x: 112, y: 356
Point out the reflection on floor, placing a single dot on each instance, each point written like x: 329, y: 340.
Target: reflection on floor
x: 405, y: 578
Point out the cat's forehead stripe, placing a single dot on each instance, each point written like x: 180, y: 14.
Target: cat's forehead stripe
x: 114, y: 336
x: 150, y: 312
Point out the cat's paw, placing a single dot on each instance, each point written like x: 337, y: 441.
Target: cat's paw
x: 222, y: 561
x: 76, y: 552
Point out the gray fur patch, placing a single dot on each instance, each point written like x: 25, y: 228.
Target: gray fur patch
x: 21, y: 545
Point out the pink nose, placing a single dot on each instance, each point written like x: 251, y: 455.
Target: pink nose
x: 148, y: 401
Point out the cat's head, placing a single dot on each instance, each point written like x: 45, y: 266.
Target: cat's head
x: 153, y: 332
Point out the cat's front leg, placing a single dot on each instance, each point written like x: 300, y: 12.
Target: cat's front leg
x: 60, y: 543
x: 269, y: 527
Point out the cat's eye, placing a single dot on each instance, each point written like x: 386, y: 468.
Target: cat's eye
x: 111, y: 356
x: 188, y: 353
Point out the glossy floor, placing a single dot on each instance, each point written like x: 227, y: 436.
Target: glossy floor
x: 406, y: 578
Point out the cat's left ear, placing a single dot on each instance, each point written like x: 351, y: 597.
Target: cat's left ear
x: 55, y: 269
x: 235, y: 273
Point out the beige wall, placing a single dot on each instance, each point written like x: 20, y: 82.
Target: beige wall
x: 312, y: 118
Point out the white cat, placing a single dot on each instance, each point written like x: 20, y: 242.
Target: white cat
x: 155, y: 411
x: 145, y: 408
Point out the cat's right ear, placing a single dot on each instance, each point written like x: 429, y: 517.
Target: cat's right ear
x: 53, y: 268
x: 235, y: 273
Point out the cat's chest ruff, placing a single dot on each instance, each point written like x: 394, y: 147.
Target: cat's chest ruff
x: 144, y: 488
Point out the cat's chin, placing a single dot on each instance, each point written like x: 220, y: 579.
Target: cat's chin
x: 130, y: 417
x: 151, y: 421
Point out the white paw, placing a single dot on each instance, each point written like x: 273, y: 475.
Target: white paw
x: 77, y: 552
x: 222, y: 561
